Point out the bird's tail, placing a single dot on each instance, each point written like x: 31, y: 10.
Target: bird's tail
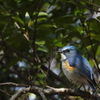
x: 96, y: 95
x: 94, y: 91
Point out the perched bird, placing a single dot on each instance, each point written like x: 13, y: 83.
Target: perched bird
x: 76, y: 68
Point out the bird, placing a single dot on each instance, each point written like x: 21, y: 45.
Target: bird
x: 77, y: 68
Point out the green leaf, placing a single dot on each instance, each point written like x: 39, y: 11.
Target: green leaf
x: 98, y: 51
x: 94, y: 25
x: 19, y: 20
x: 96, y: 37
x: 43, y: 14
x: 43, y: 48
x: 40, y: 43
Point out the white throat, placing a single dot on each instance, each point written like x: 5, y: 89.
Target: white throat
x: 63, y: 57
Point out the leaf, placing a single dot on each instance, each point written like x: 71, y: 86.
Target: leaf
x: 96, y: 37
x: 43, y: 14
x: 58, y: 43
x: 19, y: 20
x: 94, y: 25
x: 42, y: 48
x: 96, y: 2
x: 98, y: 51
x: 40, y: 43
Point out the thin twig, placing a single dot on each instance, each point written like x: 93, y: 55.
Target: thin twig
x: 86, y: 29
x: 13, y: 84
x: 20, y: 75
x: 19, y: 93
x: 52, y: 56
x: 86, y: 6
x: 92, y: 4
x: 30, y: 60
x: 55, y: 76
x: 51, y: 91
x: 5, y: 92
x: 35, y: 32
x: 14, y: 50
x: 42, y: 94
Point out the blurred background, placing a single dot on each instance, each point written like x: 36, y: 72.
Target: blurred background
x: 31, y: 31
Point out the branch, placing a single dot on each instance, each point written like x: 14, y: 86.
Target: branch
x: 20, y: 75
x: 52, y: 91
x: 90, y: 3
x: 30, y: 60
x: 42, y: 94
x: 54, y: 75
x: 5, y: 92
x: 86, y: 6
x: 19, y: 93
x: 14, y: 84
x: 35, y: 32
x: 14, y: 50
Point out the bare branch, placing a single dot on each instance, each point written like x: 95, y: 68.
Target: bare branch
x: 5, y: 92
x: 42, y: 94
x: 30, y: 60
x: 52, y: 91
x: 19, y: 93
x: 13, y: 84
x: 20, y: 75
x: 92, y: 4
x: 54, y: 75
x: 35, y: 32
x: 14, y: 50
x: 77, y: 1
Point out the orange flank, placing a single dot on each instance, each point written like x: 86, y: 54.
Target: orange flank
x: 68, y: 66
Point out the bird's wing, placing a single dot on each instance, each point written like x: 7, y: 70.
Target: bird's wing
x: 83, y: 67
x: 88, y: 67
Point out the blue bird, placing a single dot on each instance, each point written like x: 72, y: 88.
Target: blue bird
x: 76, y: 68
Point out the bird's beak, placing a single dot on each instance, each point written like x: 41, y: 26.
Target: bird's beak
x: 59, y: 50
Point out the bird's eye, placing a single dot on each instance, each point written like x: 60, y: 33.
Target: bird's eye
x: 66, y: 51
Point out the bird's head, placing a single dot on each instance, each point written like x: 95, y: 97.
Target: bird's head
x: 68, y: 51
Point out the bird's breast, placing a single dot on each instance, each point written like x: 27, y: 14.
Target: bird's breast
x: 72, y: 73
x: 68, y: 67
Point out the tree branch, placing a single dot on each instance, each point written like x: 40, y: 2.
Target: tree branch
x: 52, y: 91
x: 14, y: 50
x: 42, y: 94
x: 77, y: 1
x: 30, y: 60
x: 19, y: 93
x: 5, y: 92
x: 55, y: 76
x: 20, y: 75
x: 35, y: 32
x: 13, y: 84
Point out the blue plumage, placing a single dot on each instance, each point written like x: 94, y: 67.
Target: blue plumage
x: 76, y: 68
